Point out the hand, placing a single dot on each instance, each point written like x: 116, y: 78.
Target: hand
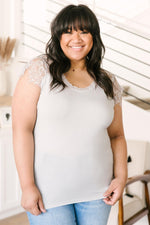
x: 114, y: 192
x: 32, y: 200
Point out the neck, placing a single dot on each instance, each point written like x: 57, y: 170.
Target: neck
x: 78, y: 66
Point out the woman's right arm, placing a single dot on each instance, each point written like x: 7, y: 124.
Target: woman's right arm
x: 24, y: 105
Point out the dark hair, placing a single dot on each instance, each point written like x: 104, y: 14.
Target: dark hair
x: 77, y: 17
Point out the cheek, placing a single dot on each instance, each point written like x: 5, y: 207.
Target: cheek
x: 90, y: 42
x: 63, y: 42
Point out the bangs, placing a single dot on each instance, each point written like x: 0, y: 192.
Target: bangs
x: 77, y: 17
x: 76, y: 21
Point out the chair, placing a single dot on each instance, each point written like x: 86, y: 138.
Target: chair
x: 134, y: 202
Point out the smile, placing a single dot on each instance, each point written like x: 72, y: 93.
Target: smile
x: 76, y: 47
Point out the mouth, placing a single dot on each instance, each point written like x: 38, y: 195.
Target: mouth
x: 76, y: 47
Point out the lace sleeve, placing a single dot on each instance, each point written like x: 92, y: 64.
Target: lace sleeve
x: 35, y: 70
x: 117, y: 90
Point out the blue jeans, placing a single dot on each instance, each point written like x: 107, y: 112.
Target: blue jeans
x: 93, y: 212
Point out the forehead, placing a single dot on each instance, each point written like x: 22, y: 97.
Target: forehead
x: 76, y: 21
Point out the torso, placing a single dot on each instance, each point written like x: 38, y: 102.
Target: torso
x: 73, y: 156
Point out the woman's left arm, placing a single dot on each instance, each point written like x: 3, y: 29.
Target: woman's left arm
x: 119, y: 149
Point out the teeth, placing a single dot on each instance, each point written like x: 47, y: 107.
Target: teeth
x: 76, y: 47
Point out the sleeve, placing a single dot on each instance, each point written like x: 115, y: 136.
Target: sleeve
x: 117, y: 89
x: 35, y: 70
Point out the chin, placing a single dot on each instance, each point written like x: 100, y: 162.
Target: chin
x: 77, y: 58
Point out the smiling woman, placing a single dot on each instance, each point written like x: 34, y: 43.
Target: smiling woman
x: 77, y: 27
x: 76, y: 44
x: 69, y: 145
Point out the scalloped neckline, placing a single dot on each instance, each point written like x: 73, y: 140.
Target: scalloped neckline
x: 89, y: 87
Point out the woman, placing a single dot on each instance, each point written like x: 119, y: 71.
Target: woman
x: 69, y: 142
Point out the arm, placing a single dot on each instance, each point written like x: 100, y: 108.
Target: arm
x: 23, y: 117
x: 119, y: 149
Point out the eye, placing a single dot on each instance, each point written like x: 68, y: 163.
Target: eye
x: 68, y: 31
x: 84, y: 31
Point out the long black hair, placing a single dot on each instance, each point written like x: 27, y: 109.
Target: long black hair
x: 82, y: 18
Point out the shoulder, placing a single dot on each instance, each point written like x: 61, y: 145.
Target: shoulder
x: 29, y: 85
x: 117, y: 89
x: 111, y: 76
x: 36, y: 69
x: 38, y: 63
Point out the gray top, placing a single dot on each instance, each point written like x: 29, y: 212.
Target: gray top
x: 73, y: 155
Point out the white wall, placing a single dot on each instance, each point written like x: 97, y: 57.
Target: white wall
x: 10, y: 18
x: 5, y: 17
x: 136, y: 122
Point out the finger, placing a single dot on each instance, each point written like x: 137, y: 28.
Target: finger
x: 36, y: 211
x: 109, y: 201
x: 41, y: 206
x: 109, y: 191
x: 112, y: 199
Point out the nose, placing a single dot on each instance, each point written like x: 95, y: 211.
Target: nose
x: 76, y: 36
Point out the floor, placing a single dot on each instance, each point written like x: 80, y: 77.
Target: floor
x: 22, y: 219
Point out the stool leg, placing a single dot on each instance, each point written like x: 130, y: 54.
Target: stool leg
x: 147, y: 201
x: 120, y: 214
